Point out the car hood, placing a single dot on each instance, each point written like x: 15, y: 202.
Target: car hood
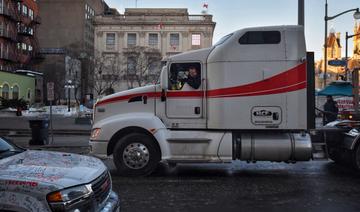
x: 60, y: 170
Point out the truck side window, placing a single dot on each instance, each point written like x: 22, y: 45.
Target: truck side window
x: 261, y: 37
x: 184, y: 73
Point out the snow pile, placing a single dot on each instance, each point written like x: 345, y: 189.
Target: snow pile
x: 58, y: 110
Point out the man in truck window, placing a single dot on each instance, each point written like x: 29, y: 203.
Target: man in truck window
x: 193, y: 78
x: 184, y: 77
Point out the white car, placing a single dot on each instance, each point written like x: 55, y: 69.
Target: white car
x: 53, y: 181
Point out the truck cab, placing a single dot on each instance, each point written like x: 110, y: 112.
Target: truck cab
x: 244, y: 98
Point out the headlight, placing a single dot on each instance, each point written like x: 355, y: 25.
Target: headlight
x: 95, y: 133
x: 69, y: 194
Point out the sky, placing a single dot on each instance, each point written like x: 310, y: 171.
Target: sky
x: 231, y: 15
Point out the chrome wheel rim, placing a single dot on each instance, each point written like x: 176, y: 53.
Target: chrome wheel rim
x: 136, y: 156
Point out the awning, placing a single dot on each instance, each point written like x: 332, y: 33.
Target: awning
x: 338, y: 88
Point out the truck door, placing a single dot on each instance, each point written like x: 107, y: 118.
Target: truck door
x: 185, y: 92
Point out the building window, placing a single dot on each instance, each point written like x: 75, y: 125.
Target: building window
x: 1, y: 6
x: 15, y: 92
x: 31, y: 14
x: 131, y: 65
x: 174, y: 40
x: 261, y: 37
x: 23, y: 46
x: 131, y: 39
x: 1, y: 28
x: 110, y: 40
x: 5, y: 91
x: 153, y: 40
x: 25, y: 10
x: 196, y: 39
x: 19, y: 7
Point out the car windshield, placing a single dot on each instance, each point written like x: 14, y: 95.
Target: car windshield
x: 223, y: 39
x: 7, y: 148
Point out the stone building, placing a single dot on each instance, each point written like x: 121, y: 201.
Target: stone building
x: 152, y: 33
x: 354, y: 59
x: 333, y: 53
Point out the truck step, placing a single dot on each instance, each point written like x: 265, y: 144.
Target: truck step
x: 320, y: 151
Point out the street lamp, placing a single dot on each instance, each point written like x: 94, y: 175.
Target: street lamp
x: 328, y: 18
x: 69, y: 85
x: 347, y: 36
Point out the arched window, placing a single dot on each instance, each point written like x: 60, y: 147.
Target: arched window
x: 5, y: 91
x: 15, y: 92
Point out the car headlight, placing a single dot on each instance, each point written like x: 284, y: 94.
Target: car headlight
x: 69, y: 194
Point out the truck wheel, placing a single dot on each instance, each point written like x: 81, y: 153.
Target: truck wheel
x: 136, y: 155
x: 356, y: 157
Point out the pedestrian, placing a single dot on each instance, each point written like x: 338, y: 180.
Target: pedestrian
x: 330, y: 110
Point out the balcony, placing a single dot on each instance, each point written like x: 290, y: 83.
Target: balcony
x: 8, y: 57
x: 9, y: 13
x: 9, y: 35
x: 26, y: 31
x: 36, y: 20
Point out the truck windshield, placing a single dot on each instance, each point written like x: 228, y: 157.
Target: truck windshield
x: 223, y: 39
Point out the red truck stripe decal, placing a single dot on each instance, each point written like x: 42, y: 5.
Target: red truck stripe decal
x: 288, y: 81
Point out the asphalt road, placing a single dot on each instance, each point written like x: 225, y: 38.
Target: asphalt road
x: 306, y: 186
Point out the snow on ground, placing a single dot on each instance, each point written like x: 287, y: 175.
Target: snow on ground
x: 59, y: 110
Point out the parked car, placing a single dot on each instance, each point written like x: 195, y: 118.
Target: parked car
x: 52, y: 181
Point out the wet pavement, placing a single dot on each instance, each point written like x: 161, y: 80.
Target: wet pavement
x: 265, y: 186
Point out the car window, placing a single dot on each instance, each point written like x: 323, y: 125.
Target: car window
x: 7, y: 148
x: 5, y: 145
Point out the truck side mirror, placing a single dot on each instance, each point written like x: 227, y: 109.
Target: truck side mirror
x: 164, y: 78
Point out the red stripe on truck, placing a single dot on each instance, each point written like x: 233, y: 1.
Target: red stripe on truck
x: 288, y: 81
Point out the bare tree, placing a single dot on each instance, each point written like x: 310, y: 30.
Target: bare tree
x: 142, y: 65
x: 73, y: 69
x: 107, y: 73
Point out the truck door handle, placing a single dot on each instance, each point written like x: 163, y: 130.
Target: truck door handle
x: 144, y: 99
x: 197, y: 110
x: 163, y: 95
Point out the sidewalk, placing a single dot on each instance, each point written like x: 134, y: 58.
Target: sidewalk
x: 68, y: 136
x: 59, y: 123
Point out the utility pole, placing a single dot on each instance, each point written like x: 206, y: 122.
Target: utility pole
x: 325, y: 44
x: 301, y: 13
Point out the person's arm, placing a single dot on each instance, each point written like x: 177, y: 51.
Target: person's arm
x: 194, y: 82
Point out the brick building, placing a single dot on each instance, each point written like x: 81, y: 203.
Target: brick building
x: 18, y: 25
x: 18, y: 43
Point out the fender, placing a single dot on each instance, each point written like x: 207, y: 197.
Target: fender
x: 146, y: 121
x: 351, y: 140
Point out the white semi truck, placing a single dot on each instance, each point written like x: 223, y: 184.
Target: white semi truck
x: 253, y: 101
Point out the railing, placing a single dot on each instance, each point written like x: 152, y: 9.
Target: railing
x: 8, y: 56
x: 157, y: 19
x: 36, y: 20
x: 5, y: 11
x: 8, y: 34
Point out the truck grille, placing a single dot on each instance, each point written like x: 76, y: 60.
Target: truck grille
x: 101, y: 187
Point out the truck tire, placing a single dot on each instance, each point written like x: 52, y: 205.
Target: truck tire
x: 356, y: 157
x: 136, y: 154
